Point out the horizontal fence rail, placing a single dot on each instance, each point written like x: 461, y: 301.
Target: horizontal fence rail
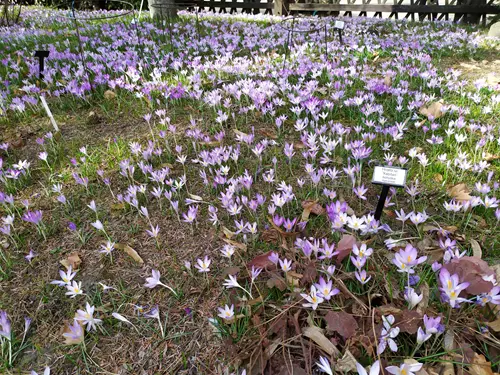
x: 472, y: 11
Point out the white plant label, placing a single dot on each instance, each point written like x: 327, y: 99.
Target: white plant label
x: 49, y: 113
x: 389, y: 176
x: 339, y: 25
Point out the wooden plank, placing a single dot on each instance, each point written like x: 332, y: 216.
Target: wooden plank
x: 280, y: 7
x: 245, y: 5
x: 378, y: 8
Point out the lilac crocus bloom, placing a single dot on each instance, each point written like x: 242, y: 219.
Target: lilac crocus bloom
x: 278, y: 220
x: 255, y: 273
x: 75, y: 332
x: 5, y: 330
x: 153, y: 281
x: 433, y: 325
x: 436, y: 266
x: 407, y: 258
x: 358, y: 262
x: 34, y: 217
x: 325, y: 289
x: 289, y: 224
x: 45, y: 372
x: 451, y: 288
x: 30, y: 256
x: 388, y: 335
x: 493, y: 296
x: 274, y: 257
x: 361, y: 276
x: 422, y: 336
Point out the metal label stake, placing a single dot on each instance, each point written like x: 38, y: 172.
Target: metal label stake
x: 339, y: 26
x: 387, y: 176
x: 41, y: 62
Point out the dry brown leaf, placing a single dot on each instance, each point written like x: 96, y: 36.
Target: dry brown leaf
x: 306, y: 213
x: 495, y: 325
x: 489, y: 157
x: 313, y: 206
x: 236, y: 244
x: 448, y: 368
x: 316, y: 335
x: 459, y: 192
x: 476, y: 249
x: 261, y: 261
x: 268, y: 352
x: 281, y: 231
x: 109, y: 95
x: 310, y: 273
x: 255, y: 301
x: 387, y: 80
x: 230, y: 271
x: 451, y: 228
x: 438, y: 177
x: 72, y: 260
x: 389, y: 310
x: 195, y: 197
x: 422, y: 306
x: 268, y: 133
x: 411, y: 361
x: 293, y: 278
x: 130, y: 252
x: 270, y: 235
x: 409, y: 321
x: 240, y: 133
x: 344, y: 247
x: 480, y: 366
x: 295, y: 370
x: 432, y: 370
x: 211, y: 143
x: 276, y: 282
x: 496, y: 269
x: 471, y: 270
x: 433, y: 111
x: 341, y: 322
x: 430, y: 228
x: 449, y: 340
x: 228, y: 233
x: 347, y: 363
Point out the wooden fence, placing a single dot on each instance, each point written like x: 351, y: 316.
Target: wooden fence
x: 472, y: 11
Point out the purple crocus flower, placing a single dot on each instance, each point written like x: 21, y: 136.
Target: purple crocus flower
x: 75, y: 333
x: 34, y: 217
x: 30, y: 256
x: 407, y: 258
x: 274, y: 257
x: 325, y: 290
x: 433, y: 325
x: 451, y: 288
x: 5, y: 325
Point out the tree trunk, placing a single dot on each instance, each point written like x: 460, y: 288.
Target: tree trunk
x: 162, y: 8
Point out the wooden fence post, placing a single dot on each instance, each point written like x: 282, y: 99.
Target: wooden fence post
x: 281, y: 7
